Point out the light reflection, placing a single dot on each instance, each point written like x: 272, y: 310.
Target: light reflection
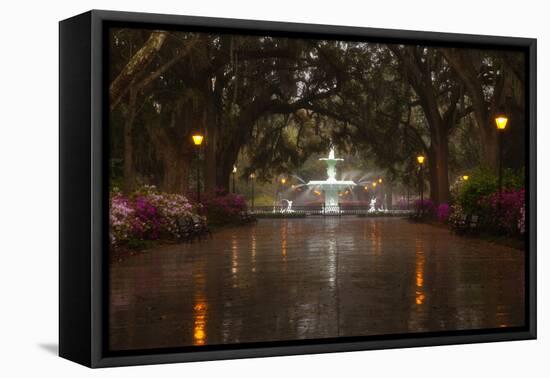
x: 376, y: 238
x: 419, y: 271
x: 502, y: 318
x: 332, y: 263
x: 200, y: 307
x: 283, y: 240
x: 253, y: 251
x: 234, y: 260
x: 199, y: 327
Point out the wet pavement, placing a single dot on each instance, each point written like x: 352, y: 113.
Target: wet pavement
x: 313, y: 278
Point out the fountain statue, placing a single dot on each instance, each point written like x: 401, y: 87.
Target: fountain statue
x: 372, y: 207
x: 331, y: 185
x: 288, y: 208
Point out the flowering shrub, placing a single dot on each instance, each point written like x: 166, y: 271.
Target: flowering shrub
x: 146, y: 215
x: 483, y: 183
x: 456, y: 215
x: 121, y: 218
x: 222, y: 207
x: 443, y: 211
x: 521, y: 220
x: 426, y: 207
x: 506, y: 211
x: 146, y: 224
x: 170, y: 208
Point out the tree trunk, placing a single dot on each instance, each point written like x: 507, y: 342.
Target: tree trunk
x: 176, y: 172
x: 175, y: 153
x: 463, y: 63
x: 129, y: 170
x: 389, y: 196
x: 489, y: 148
x: 211, y: 144
x: 439, y: 172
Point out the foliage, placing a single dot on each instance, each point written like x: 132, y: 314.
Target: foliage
x: 224, y: 208
x: 426, y: 207
x: 146, y: 215
x: 442, y: 212
x: 483, y: 182
x: 456, y: 215
x: 505, y: 213
x: 280, y: 101
x: 498, y: 214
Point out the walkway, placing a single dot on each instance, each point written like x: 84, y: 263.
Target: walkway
x: 314, y: 278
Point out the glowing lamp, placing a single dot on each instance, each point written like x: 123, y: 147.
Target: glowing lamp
x: 197, y: 139
x: 501, y: 121
x: 420, y: 159
x: 465, y: 177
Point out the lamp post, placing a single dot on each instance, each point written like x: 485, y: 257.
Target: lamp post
x: 234, y: 173
x: 252, y: 178
x: 382, y: 194
x: 420, y: 159
x: 198, y: 138
x: 283, y: 182
x: 501, y: 120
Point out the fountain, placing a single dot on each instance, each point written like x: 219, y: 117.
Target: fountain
x: 331, y: 185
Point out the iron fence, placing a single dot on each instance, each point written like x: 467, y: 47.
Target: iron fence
x: 322, y: 210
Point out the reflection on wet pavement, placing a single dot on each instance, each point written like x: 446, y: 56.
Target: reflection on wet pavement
x: 313, y: 278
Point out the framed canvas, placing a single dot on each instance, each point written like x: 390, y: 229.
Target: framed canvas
x: 234, y: 188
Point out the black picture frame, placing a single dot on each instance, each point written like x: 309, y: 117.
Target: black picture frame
x: 83, y: 195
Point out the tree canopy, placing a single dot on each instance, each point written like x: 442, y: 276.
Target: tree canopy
x: 277, y: 101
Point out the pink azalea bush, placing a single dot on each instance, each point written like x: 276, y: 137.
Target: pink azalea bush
x: 506, y: 211
x: 222, y: 207
x: 442, y: 212
x: 121, y: 218
x: 427, y: 207
x: 146, y: 215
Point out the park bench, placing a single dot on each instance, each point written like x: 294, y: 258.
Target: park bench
x: 467, y: 224
x: 192, y: 227
x: 247, y: 217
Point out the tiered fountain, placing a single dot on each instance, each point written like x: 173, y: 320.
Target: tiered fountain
x: 331, y: 186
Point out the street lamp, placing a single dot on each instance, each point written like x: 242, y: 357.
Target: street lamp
x: 283, y: 181
x: 420, y: 159
x: 382, y: 194
x: 198, y: 138
x: 465, y: 177
x: 234, y: 174
x: 501, y: 120
x: 252, y: 178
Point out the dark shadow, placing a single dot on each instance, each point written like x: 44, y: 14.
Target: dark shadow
x: 52, y: 348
